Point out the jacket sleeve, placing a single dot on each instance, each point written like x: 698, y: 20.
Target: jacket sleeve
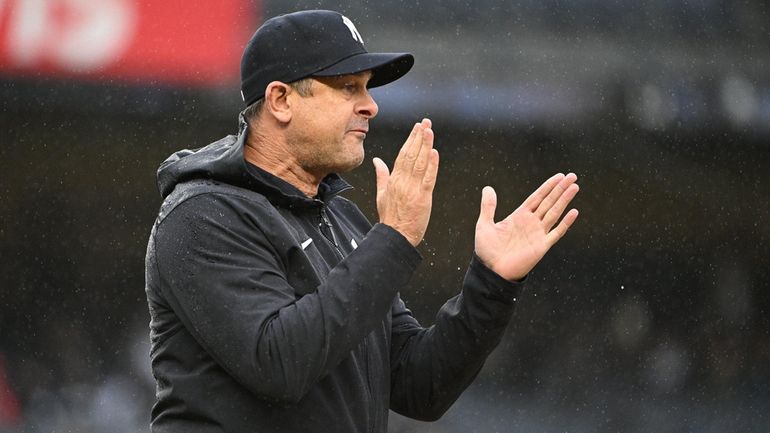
x: 430, y: 367
x: 228, y: 286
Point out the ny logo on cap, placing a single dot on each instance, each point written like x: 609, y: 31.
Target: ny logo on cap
x: 353, y: 30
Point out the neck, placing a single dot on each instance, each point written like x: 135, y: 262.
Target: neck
x: 272, y: 155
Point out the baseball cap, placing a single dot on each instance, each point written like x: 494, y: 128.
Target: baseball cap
x: 312, y: 43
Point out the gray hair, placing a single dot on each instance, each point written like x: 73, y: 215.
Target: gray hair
x: 303, y: 87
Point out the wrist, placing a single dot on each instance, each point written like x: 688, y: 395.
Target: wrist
x: 411, y: 239
x: 507, y: 274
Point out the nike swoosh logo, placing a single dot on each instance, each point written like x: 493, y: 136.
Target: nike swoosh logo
x: 306, y: 243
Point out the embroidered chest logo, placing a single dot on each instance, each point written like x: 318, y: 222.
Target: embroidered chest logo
x: 353, y: 30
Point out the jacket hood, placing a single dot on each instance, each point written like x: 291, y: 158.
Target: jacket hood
x: 223, y: 161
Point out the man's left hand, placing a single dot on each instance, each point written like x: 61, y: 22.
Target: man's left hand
x: 513, y: 246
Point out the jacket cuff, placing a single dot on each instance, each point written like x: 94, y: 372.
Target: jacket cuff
x: 497, y: 286
x: 395, y: 240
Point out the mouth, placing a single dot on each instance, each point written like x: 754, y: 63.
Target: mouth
x: 360, y: 131
x: 362, y: 127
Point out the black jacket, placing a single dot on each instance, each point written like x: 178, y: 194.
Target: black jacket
x: 274, y: 312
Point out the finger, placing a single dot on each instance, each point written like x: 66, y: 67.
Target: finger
x: 534, y: 200
x: 554, y: 195
x: 421, y: 163
x: 405, y: 148
x: 413, y: 149
x: 554, y: 235
x: 383, y: 175
x: 554, y: 213
x: 420, y: 147
x: 488, y: 205
x: 431, y: 174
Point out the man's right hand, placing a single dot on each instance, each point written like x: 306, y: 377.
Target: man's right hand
x: 405, y: 196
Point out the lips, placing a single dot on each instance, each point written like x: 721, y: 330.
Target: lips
x: 362, y: 128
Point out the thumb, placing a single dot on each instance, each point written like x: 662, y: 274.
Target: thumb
x: 383, y: 175
x: 488, y: 205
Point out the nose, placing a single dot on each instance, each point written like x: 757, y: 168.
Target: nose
x: 367, y: 108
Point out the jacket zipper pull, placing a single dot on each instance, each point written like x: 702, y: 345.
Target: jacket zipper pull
x: 326, y: 228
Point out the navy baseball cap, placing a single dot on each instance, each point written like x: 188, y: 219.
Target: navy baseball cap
x: 314, y: 43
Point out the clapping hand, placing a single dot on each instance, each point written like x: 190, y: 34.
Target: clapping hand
x: 405, y: 196
x: 513, y: 246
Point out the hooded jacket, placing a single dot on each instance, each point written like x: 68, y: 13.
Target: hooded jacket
x: 274, y: 312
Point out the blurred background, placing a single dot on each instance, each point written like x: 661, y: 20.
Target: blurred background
x: 650, y: 315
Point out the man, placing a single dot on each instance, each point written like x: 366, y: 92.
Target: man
x: 274, y: 303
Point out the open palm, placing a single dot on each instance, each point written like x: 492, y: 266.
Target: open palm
x: 513, y: 246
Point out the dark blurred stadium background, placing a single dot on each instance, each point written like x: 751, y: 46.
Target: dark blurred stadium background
x: 651, y: 315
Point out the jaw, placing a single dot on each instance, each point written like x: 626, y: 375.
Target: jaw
x: 351, y: 154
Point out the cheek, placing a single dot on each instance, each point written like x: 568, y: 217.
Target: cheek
x: 329, y: 123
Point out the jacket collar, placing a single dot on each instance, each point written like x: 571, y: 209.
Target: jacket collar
x: 223, y: 161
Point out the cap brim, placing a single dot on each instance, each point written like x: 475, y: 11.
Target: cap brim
x: 385, y: 67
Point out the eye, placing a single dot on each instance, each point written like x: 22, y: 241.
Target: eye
x: 350, y: 87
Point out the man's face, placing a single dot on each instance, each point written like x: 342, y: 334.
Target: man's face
x: 328, y: 127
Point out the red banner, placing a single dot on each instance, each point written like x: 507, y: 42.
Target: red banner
x: 170, y: 41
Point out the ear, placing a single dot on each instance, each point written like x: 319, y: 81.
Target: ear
x: 277, y: 101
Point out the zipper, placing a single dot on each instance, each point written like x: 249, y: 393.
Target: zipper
x: 327, y: 230
x: 325, y: 226
x: 373, y: 409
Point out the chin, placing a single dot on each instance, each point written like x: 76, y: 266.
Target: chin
x: 356, y: 157
x: 350, y: 165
